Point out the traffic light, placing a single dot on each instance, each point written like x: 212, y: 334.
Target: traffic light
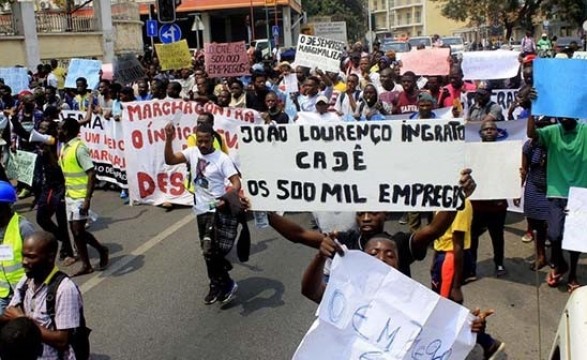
x: 166, y: 11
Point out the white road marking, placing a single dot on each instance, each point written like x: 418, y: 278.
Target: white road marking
x: 126, y: 259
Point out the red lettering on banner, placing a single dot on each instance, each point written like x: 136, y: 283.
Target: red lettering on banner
x: 157, y: 110
x: 147, y: 113
x: 134, y: 111
x: 146, y: 184
x: 176, y: 181
x: 92, y: 138
x: 165, y: 107
x: 137, y: 139
x: 238, y: 115
x: 175, y: 107
x: 250, y: 117
x: 231, y: 140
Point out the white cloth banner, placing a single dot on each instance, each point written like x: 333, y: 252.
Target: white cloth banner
x: 372, y: 311
x: 150, y: 180
x: 317, y: 52
x: 574, y: 236
x: 496, y: 168
x: 360, y: 166
x: 506, y: 130
x: 490, y: 65
x: 502, y: 97
x: 105, y: 140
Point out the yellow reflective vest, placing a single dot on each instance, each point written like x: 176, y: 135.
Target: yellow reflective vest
x: 12, y: 270
x: 218, y: 143
x: 76, y: 179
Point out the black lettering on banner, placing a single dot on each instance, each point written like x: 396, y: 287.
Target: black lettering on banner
x: 261, y: 133
x: 424, y: 195
x: 384, y: 193
x: 451, y: 131
x: 299, y: 160
x: 358, y: 161
x: 376, y: 133
x: 341, y: 161
x: 255, y: 188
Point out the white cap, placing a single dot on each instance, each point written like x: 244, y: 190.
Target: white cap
x: 323, y: 99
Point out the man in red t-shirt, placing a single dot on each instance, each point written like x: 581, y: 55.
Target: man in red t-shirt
x: 456, y: 88
x: 406, y: 102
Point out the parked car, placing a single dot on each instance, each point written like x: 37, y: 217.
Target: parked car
x: 569, y: 342
x: 418, y: 40
x: 397, y: 46
x: 564, y: 43
x: 265, y: 46
x: 456, y: 43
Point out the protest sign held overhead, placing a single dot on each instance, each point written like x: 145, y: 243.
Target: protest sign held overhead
x: 362, y: 166
x: 89, y: 69
x: 21, y: 166
x: 321, y: 53
x: 571, y: 77
x: 174, y: 56
x: 104, y: 139
x: 489, y: 65
x: 15, y: 77
x: 127, y: 69
x: 150, y: 180
x: 226, y: 59
x: 427, y: 61
x: 372, y: 311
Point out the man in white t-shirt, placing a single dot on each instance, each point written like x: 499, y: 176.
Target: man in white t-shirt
x: 217, y: 227
x: 320, y: 116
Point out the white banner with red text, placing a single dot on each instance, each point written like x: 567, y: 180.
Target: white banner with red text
x: 105, y: 140
x: 150, y: 180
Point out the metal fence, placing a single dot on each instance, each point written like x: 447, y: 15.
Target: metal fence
x: 65, y: 23
x: 7, y: 25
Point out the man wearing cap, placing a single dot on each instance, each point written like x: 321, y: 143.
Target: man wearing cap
x: 310, y: 91
x: 321, y: 115
x: 484, y: 106
x: 13, y: 230
x: 426, y: 104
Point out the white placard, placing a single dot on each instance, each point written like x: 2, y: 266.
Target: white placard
x: 150, y: 181
x: 489, y: 65
x: 335, y: 30
x: 358, y: 166
x: 574, y: 236
x: 317, y: 52
x: 372, y: 311
x: 291, y: 83
x: 496, y: 169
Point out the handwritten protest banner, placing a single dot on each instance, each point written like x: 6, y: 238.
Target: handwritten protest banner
x: 571, y: 77
x: 361, y: 166
x: 21, y: 166
x: 496, y: 167
x: 427, y: 61
x: 506, y: 130
x: 226, y: 59
x: 15, y: 77
x: 502, y: 97
x: 174, y: 56
x: 128, y: 69
x: 150, y: 181
x: 89, y: 69
x: 317, y: 52
x: 105, y: 141
x: 489, y: 65
x: 372, y: 311
x: 574, y: 236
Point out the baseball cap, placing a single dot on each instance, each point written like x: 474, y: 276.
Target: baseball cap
x: 323, y: 99
x: 425, y: 96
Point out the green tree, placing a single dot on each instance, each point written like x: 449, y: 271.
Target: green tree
x: 352, y: 11
x: 571, y: 11
x: 509, y: 13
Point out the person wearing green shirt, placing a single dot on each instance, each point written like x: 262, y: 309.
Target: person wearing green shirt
x: 566, y: 166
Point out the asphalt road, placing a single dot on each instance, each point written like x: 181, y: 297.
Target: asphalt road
x: 148, y: 303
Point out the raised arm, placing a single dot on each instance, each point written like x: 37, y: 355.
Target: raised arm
x: 294, y: 232
x: 172, y: 158
x: 313, y: 285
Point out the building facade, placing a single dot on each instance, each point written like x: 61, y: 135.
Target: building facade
x: 409, y: 18
x: 204, y: 21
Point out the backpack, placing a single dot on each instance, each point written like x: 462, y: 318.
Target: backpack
x: 80, y: 337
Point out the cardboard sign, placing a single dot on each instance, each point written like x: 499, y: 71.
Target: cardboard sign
x: 427, y: 61
x: 150, y: 180
x: 372, y: 311
x: 128, y: 69
x: 360, y: 166
x: 495, y: 167
x: 21, y: 166
x: 489, y: 65
x: 574, y: 236
x: 89, y: 69
x: 571, y: 77
x: 105, y: 141
x: 174, y: 56
x: 226, y: 59
x: 321, y: 53
x: 15, y: 77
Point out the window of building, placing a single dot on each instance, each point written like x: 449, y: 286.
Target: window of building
x: 408, y: 18
x: 399, y: 19
x: 391, y: 4
x: 418, y: 17
x: 382, y: 7
x: 419, y: 32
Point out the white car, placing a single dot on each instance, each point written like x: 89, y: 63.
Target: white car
x: 456, y: 43
x: 569, y: 342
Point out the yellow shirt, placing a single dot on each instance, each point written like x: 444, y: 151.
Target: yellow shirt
x: 462, y: 223
x: 340, y: 87
x: 59, y: 73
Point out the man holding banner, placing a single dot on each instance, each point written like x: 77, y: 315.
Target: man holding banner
x: 217, y: 227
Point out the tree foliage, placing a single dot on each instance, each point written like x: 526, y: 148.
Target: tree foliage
x: 513, y: 13
x: 352, y: 11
